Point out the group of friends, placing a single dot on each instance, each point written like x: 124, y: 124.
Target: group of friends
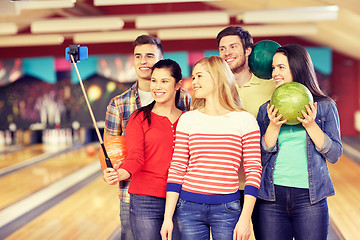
x: 222, y: 162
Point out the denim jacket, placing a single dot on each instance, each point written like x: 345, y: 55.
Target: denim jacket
x: 320, y: 184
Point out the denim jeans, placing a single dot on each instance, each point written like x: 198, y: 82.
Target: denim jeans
x: 291, y: 216
x: 147, y: 216
x: 125, y: 221
x: 196, y: 219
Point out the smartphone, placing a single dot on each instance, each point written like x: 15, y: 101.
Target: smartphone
x: 79, y: 53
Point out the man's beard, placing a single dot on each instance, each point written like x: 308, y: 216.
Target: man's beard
x: 239, y: 68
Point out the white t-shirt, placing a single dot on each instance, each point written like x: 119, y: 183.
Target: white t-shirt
x: 145, y: 98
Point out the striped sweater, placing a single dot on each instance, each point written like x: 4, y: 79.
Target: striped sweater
x: 207, y: 155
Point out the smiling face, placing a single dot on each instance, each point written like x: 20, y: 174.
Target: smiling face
x: 145, y: 56
x: 232, y: 51
x: 163, y: 86
x: 202, y: 82
x: 281, y: 70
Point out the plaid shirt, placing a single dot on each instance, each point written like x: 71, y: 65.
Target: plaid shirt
x: 117, y: 116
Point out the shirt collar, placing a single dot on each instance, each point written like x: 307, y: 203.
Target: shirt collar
x: 253, y: 81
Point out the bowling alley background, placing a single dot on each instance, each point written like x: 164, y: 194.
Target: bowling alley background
x: 44, y: 92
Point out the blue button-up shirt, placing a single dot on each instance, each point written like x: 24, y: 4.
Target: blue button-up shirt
x: 320, y: 184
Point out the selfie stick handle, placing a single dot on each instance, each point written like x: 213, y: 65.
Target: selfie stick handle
x: 107, y: 159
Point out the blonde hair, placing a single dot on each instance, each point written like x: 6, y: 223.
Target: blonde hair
x: 224, y: 82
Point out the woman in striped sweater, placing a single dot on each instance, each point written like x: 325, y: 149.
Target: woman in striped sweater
x: 211, y: 141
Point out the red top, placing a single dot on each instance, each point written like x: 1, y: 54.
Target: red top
x: 150, y: 150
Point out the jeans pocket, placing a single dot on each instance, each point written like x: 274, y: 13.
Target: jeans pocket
x: 233, y: 206
x: 180, y: 204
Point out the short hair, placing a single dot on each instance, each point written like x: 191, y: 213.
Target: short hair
x: 245, y: 36
x: 224, y: 82
x: 148, y: 39
x: 302, y: 68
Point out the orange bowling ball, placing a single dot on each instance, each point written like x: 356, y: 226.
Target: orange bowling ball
x: 115, y: 149
x: 91, y: 150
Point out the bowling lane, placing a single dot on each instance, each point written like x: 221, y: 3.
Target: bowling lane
x: 344, y: 206
x: 22, y: 183
x: 10, y: 158
x: 90, y: 213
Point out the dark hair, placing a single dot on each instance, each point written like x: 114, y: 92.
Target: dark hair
x: 245, y: 36
x: 175, y: 72
x: 148, y: 39
x: 302, y: 69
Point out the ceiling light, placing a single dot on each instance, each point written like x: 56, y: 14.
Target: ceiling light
x: 279, y: 30
x: 31, y: 40
x: 304, y: 14
x: 77, y: 25
x: 132, y: 2
x: 105, y: 37
x: 8, y: 28
x: 189, y: 33
x: 182, y: 20
x: 46, y: 4
x: 256, y: 31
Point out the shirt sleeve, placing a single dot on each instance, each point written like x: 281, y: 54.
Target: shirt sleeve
x: 252, y: 157
x: 112, y: 119
x: 135, y: 142
x: 332, y: 148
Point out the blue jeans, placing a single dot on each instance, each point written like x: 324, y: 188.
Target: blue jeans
x: 147, y: 216
x: 125, y: 221
x: 291, y: 216
x: 196, y: 219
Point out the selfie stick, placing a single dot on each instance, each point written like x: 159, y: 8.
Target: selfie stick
x: 107, y: 159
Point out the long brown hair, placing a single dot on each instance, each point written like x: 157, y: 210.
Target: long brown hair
x: 302, y: 69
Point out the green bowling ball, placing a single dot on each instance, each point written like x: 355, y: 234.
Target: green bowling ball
x: 260, y: 59
x: 290, y: 98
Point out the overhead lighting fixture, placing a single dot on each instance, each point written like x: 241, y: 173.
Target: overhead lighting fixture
x: 132, y: 2
x: 31, y: 40
x: 280, y: 30
x: 189, y: 33
x: 304, y: 14
x: 8, y: 28
x: 256, y: 31
x: 77, y: 25
x: 46, y: 4
x: 106, y: 37
x: 182, y: 20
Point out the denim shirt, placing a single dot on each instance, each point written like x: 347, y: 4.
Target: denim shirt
x: 320, y: 184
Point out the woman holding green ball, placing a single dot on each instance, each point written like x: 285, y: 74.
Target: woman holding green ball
x: 295, y: 184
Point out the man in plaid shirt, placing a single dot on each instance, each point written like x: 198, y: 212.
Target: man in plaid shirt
x: 147, y: 51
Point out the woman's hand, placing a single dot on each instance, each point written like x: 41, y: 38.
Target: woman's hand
x: 166, y: 230
x: 274, y: 120
x: 310, y: 116
x: 110, y: 176
x: 242, y: 229
x: 272, y: 131
x: 316, y: 134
